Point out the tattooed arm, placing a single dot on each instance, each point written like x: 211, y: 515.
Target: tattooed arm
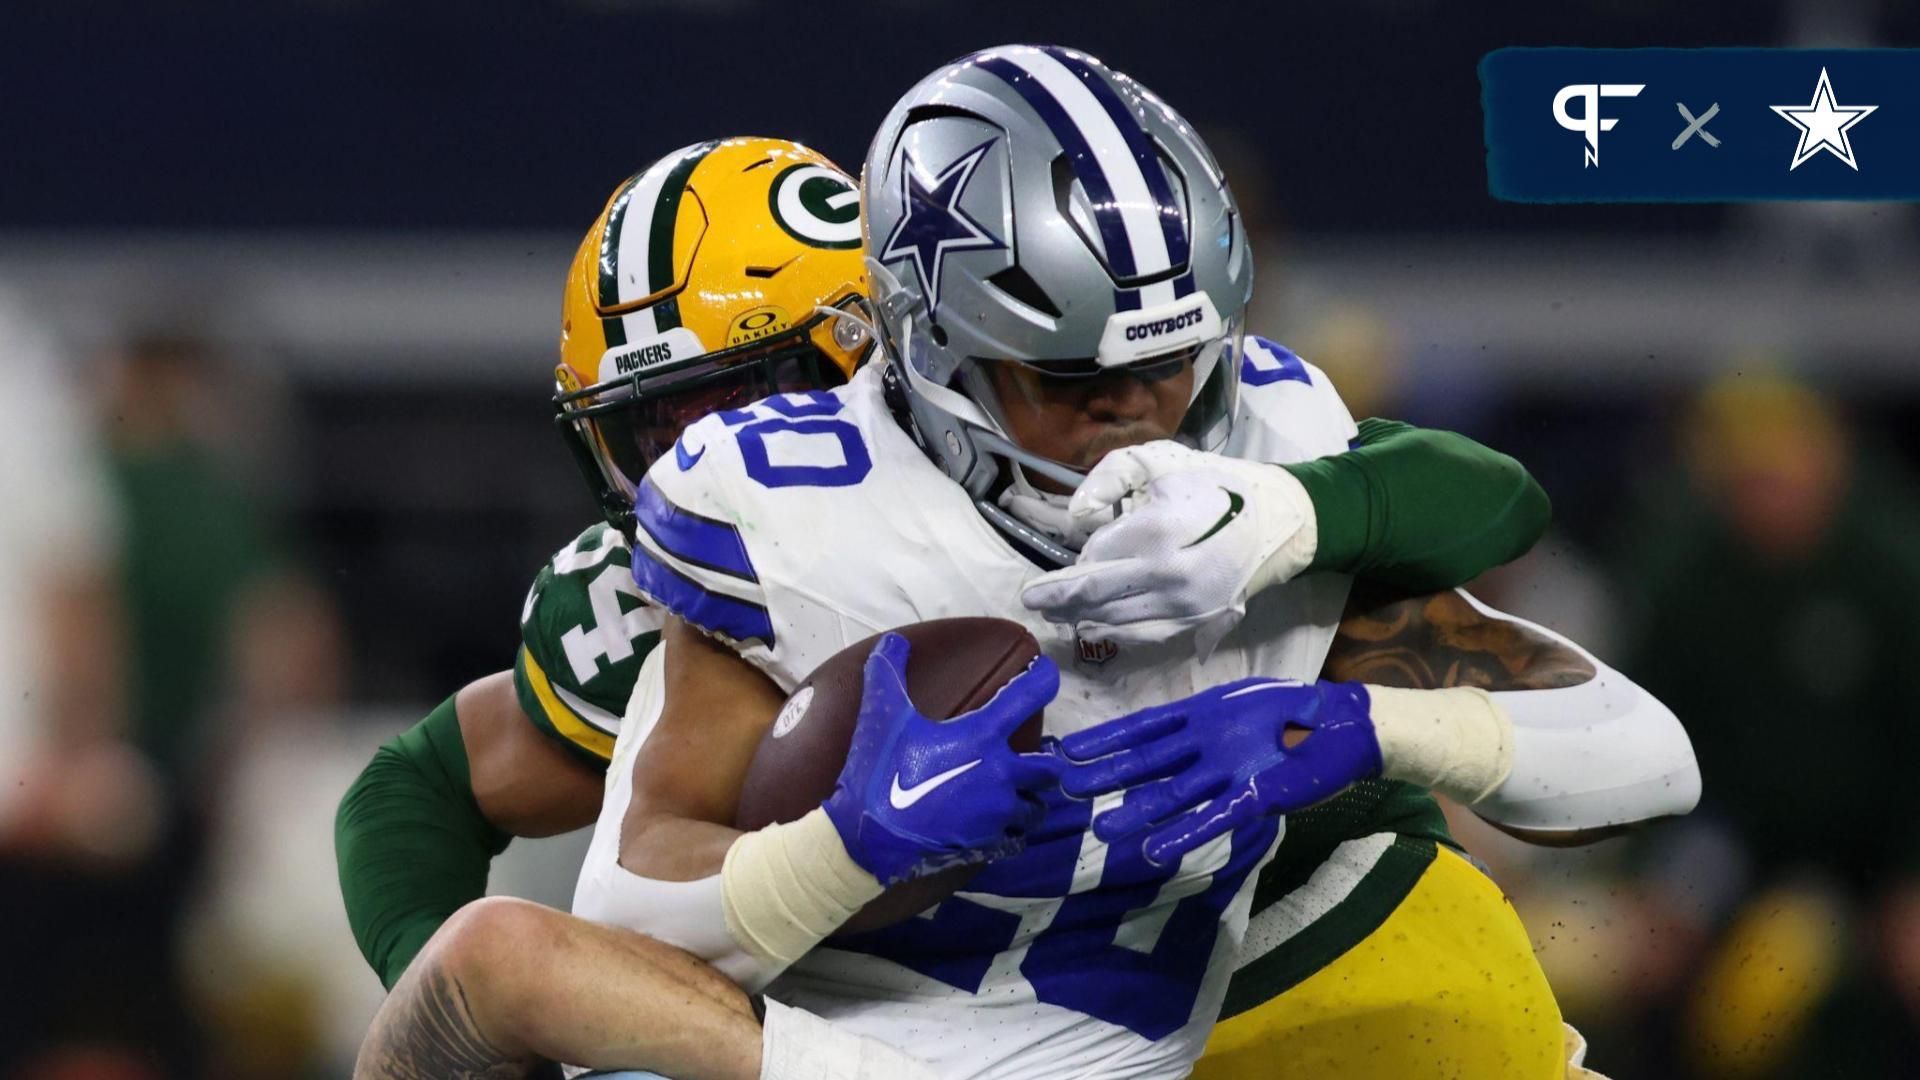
x: 1441, y: 640
x: 506, y: 986
x: 1594, y: 755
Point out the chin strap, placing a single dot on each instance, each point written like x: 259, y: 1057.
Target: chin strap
x: 1037, y: 520
x: 1045, y: 511
x: 1035, y: 544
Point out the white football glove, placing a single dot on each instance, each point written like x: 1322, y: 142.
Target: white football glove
x: 1196, y: 534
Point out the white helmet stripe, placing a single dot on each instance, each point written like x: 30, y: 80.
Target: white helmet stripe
x: 1139, y: 211
x: 642, y: 325
x: 1160, y: 292
x: 635, y: 240
x: 636, y: 265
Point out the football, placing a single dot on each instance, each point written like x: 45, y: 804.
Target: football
x: 955, y: 665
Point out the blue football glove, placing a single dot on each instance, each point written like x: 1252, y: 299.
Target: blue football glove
x: 917, y: 796
x: 1205, y: 765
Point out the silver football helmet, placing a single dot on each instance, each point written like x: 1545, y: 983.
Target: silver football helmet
x: 1028, y: 204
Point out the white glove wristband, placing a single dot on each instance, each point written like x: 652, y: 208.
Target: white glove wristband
x: 1195, y: 536
x: 1287, y: 559
x: 786, y: 887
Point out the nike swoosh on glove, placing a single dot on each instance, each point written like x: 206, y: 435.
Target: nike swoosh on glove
x: 917, y: 795
x: 1203, y: 766
x: 1196, y: 535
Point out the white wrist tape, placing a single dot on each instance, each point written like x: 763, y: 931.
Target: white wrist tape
x: 786, y: 887
x: 1456, y: 742
x: 797, y: 1045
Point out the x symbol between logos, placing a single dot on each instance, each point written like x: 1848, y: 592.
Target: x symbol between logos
x: 1696, y: 126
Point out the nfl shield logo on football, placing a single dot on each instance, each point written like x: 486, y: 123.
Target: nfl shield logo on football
x: 1095, y: 652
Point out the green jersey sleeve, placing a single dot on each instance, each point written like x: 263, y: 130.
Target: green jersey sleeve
x: 584, y: 632
x: 1421, y: 510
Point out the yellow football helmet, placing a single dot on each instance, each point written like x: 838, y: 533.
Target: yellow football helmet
x: 712, y: 279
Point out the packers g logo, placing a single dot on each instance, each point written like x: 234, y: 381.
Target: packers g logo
x: 816, y: 206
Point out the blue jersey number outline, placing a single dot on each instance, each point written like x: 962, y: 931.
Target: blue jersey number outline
x: 1150, y: 981
x: 1144, y: 975
x: 809, y: 414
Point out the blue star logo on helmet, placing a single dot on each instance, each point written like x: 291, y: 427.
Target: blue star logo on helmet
x: 932, y: 225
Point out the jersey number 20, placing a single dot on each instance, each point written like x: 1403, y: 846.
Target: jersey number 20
x: 803, y: 423
x: 1130, y: 944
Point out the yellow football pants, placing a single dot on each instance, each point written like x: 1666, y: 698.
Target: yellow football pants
x: 1447, y: 987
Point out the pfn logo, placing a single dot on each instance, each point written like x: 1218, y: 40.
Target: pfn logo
x: 1589, y: 122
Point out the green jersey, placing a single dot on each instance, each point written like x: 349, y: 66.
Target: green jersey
x: 584, y: 632
x: 1342, y: 868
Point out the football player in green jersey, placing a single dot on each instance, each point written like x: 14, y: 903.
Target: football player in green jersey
x: 704, y: 284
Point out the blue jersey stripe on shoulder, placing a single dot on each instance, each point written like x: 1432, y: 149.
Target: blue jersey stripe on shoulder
x: 701, y: 541
x: 713, y: 612
x: 1272, y: 362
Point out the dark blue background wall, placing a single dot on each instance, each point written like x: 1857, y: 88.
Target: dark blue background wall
x: 433, y: 115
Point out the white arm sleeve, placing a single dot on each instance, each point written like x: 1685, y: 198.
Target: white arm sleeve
x: 690, y: 915
x: 780, y: 891
x: 1598, y: 754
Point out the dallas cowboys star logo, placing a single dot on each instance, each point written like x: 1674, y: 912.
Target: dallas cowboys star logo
x: 933, y: 225
x: 1823, y: 125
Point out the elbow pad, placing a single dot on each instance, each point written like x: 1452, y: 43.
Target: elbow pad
x: 1603, y: 753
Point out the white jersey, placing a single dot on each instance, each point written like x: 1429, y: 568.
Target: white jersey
x: 807, y: 522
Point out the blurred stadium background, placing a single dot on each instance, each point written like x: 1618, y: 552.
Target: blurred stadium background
x: 278, y: 306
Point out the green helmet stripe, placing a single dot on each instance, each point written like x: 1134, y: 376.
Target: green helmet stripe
x: 666, y: 212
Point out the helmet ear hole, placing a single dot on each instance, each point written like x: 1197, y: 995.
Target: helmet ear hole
x: 935, y: 112
x: 1017, y: 283
x: 1063, y: 181
x: 938, y: 335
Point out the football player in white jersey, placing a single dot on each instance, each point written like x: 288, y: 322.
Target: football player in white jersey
x: 505, y: 981
x: 1059, y: 277
x: 1075, y: 983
